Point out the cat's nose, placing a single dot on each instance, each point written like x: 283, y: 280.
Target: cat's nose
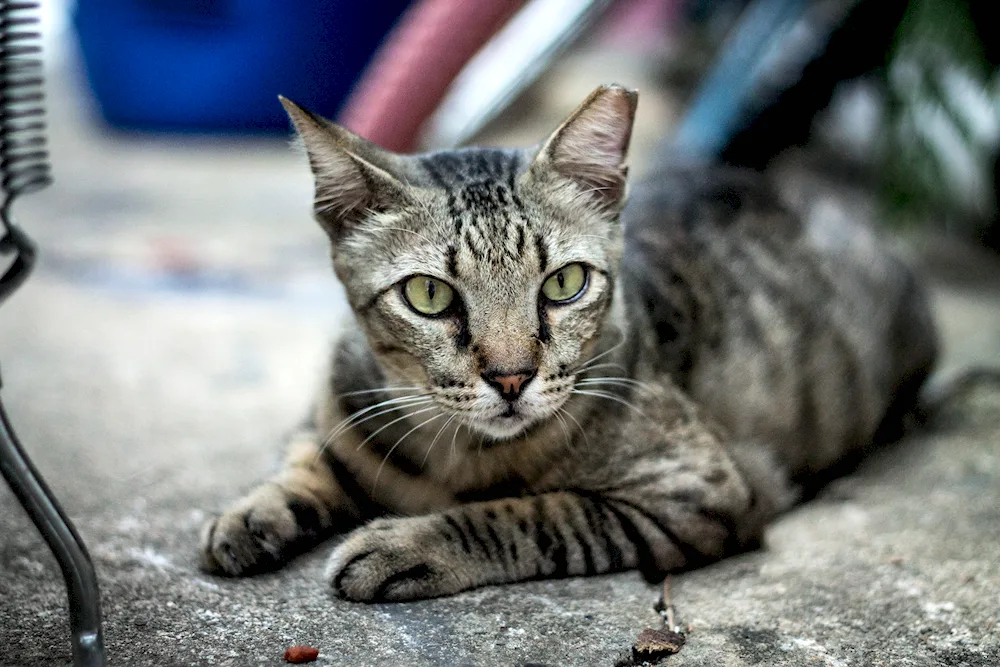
x: 510, y: 386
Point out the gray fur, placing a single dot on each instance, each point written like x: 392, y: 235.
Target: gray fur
x: 722, y: 350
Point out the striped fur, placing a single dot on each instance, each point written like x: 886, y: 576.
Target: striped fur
x: 721, y: 349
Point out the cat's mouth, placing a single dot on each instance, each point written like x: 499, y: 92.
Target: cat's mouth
x: 513, y: 421
x: 504, y: 420
x: 508, y: 423
x: 510, y: 417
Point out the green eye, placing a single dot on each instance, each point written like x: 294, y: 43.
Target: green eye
x: 565, y: 284
x: 427, y: 295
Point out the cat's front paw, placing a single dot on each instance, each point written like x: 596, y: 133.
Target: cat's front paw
x: 396, y: 559
x: 260, y: 532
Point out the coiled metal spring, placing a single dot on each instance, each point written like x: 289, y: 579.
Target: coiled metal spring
x: 24, y: 165
x: 23, y: 156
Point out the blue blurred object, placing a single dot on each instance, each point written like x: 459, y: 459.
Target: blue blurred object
x: 730, y: 95
x: 219, y: 65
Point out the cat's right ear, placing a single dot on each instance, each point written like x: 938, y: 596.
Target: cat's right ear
x: 590, y: 149
x: 353, y: 176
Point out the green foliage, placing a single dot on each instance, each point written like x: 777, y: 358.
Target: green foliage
x: 943, y: 109
x: 946, y: 23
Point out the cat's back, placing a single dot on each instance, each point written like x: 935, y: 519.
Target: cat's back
x: 798, y: 331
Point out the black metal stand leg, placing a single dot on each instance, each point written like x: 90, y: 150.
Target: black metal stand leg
x: 66, y: 545
x: 24, y: 168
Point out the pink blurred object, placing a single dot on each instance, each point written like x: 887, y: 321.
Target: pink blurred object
x: 639, y: 25
x: 412, y: 71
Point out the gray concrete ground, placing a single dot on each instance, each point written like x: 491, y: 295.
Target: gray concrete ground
x: 176, y: 328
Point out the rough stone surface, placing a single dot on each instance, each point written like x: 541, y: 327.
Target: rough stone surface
x: 175, y: 330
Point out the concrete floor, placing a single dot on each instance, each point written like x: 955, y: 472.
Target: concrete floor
x: 175, y: 329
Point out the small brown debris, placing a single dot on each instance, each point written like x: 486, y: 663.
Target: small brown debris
x: 300, y: 654
x: 655, y: 644
x: 895, y: 560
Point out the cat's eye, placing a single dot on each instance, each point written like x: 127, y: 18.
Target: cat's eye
x: 565, y: 284
x: 427, y: 295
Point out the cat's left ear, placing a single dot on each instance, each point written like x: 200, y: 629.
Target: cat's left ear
x: 591, y: 147
x: 353, y: 176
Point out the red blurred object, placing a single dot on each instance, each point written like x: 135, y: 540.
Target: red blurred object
x: 300, y: 654
x: 412, y: 71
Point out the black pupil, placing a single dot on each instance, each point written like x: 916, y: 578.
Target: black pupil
x: 561, y: 280
x: 430, y: 290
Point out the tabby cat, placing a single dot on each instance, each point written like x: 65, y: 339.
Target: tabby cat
x: 541, y: 381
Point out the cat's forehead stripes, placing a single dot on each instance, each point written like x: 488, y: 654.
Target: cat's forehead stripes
x: 455, y: 170
x: 543, y: 254
x: 489, y: 222
x: 452, y: 262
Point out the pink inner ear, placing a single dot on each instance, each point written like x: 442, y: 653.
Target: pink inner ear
x: 591, y: 148
x: 340, y: 186
x: 598, y: 136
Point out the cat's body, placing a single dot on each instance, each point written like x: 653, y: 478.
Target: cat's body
x: 805, y: 334
x: 653, y: 418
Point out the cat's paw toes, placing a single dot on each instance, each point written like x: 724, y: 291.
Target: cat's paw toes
x: 253, y: 536
x: 393, y: 559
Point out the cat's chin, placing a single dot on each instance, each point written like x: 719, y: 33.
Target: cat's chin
x: 504, y: 428
x: 514, y: 423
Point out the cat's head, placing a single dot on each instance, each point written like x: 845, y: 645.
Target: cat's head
x: 481, y: 276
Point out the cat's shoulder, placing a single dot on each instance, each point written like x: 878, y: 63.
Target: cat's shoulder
x: 688, y: 201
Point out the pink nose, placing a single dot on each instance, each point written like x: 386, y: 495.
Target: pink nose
x: 509, y: 386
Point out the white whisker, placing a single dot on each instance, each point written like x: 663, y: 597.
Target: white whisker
x: 609, y: 385
x: 616, y: 381
x: 394, y: 421
x: 398, y: 442
x: 355, y: 420
x: 431, y: 446
x: 610, y: 397
x: 380, y: 389
x: 565, y: 430
x: 352, y: 420
x: 590, y: 362
x: 590, y: 369
x: 454, y: 435
x: 422, y: 204
x: 578, y: 425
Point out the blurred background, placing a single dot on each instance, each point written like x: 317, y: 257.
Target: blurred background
x: 900, y: 96
x: 182, y: 307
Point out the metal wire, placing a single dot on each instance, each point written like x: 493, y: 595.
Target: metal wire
x: 71, y: 553
x: 24, y: 168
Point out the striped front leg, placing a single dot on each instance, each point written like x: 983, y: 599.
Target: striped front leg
x: 293, y: 511
x: 550, y: 535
